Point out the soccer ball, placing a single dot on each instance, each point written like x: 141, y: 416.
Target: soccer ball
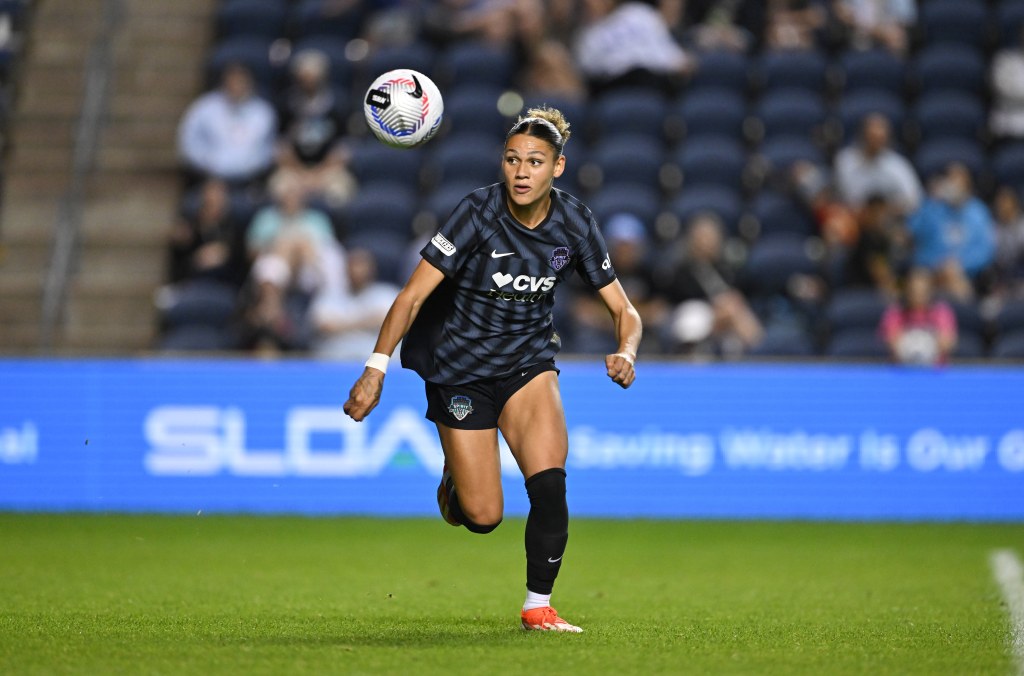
x: 403, y: 108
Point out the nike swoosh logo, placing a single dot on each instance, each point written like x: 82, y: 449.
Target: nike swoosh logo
x: 523, y: 375
x: 551, y: 560
x: 495, y: 254
x: 418, y: 92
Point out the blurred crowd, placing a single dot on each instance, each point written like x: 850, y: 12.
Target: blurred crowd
x: 787, y: 178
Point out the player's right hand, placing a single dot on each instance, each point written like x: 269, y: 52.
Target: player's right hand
x: 365, y: 394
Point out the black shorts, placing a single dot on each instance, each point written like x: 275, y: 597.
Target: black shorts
x: 477, y: 405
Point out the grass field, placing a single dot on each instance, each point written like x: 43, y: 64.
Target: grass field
x: 246, y: 595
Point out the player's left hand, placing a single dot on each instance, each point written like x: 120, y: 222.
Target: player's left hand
x: 620, y: 369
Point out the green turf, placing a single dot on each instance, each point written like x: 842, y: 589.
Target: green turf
x: 246, y: 595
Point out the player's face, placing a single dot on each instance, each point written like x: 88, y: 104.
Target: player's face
x: 530, y: 167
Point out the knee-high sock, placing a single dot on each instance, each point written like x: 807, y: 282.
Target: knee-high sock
x: 547, y: 529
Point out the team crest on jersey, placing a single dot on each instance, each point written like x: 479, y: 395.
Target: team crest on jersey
x: 559, y: 257
x: 460, y: 406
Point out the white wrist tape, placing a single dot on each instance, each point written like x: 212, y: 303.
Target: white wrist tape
x: 379, y: 361
x: 626, y: 357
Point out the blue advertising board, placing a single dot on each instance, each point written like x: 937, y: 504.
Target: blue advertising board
x: 695, y: 441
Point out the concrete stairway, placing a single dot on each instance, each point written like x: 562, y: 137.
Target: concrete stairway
x: 132, y: 193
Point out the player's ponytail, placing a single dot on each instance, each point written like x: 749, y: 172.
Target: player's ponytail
x: 545, y: 123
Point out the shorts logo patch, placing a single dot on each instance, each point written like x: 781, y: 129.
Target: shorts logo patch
x: 442, y: 243
x: 559, y: 257
x: 460, y: 406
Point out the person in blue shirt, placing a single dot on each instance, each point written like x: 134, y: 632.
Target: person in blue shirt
x: 953, y: 232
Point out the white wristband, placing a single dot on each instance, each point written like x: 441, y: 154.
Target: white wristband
x: 379, y: 361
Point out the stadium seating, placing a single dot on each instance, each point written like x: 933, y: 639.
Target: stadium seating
x: 726, y: 203
x: 855, y: 309
x: 1009, y: 346
x: 857, y: 105
x: 474, y: 110
x: 715, y: 160
x: 476, y: 64
x: 711, y: 110
x: 949, y: 66
x: 773, y: 261
x: 792, y: 69
x: 784, y: 340
x: 315, y: 17
x: 253, y: 18
x: 857, y: 344
x: 467, y: 157
x: 935, y: 155
x: 721, y: 69
x: 637, y: 158
x: 641, y: 200
x: 955, y: 21
x: 1009, y: 19
x: 722, y: 144
x: 790, y: 112
x: 372, y: 161
x: 873, y: 69
x: 629, y: 111
x: 946, y: 114
x: 775, y: 213
x: 385, y: 207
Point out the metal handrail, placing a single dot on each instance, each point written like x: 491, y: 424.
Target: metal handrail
x: 98, y: 71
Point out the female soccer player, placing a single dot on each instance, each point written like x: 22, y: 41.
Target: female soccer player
x: 476, y: 319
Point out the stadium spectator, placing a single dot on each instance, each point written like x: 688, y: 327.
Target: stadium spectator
x: 1006, y: 76
x: 874, y: 259
x: 953, y: 233
x: 870, y: 166
x: 205, y: 242
x: 1008, y: 265
x: 229, y: 133
x: 346, y: 323
x: 837, y: 223
x: 876, y: 23
x: 551, y: 74
x: 629, y: 249
x: 920, y: 329
x: 313, y: 124
x: 709, y: 310
x: 733, y: 25
x: 295, y: 256
x: 628, y: 44
x: 794, y: 24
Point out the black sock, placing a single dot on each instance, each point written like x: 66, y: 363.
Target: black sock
x: 547, y: 529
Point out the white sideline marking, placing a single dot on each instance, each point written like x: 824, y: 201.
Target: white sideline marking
x: 1009, y: 573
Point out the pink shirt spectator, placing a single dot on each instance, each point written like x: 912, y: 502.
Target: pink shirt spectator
x: 936, y: 319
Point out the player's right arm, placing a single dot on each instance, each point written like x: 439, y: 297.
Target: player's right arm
x: 365, y: 393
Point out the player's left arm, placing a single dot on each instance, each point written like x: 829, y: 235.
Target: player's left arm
x: 628, y: 330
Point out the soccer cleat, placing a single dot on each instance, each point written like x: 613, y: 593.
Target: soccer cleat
x: 443, y: 491
x: 547, y: 619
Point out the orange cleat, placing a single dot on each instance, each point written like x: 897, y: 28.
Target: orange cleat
x: 442, y: 498
x: 547, y: 619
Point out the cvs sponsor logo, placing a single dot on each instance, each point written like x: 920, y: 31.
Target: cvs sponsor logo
x: 524, y: 282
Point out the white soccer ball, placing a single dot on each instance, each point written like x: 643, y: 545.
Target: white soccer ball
x: 403, y: 108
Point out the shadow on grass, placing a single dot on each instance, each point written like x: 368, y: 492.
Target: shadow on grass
x: 425, y: 632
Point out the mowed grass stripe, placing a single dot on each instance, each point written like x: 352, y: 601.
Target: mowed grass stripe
x: 225, y: 595
x: 1009, y: 574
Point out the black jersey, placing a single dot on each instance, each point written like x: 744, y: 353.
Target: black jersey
x: 492, y: 313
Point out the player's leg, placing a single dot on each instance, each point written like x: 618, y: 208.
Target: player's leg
x: 533, y: 423
x: 470, y: 493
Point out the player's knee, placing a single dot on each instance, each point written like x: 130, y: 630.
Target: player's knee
x: 481, y: 518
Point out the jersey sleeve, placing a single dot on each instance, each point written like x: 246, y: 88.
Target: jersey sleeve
x: 593, y: 263
x: 454, y: 241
